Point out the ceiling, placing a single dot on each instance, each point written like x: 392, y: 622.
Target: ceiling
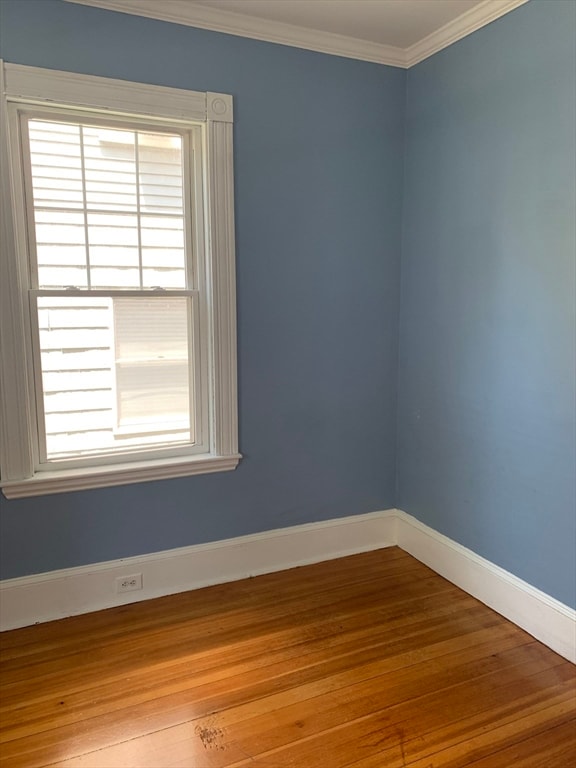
x: 397, y: 32
x: 400, y: 23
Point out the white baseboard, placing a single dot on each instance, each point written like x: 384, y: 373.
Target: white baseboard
x: 58, y: 594
x: 55, y: 595
x: 545, y: 618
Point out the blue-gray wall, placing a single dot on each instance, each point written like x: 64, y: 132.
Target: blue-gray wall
x: 485, y: 439
x: 318, y: 168
x: 487, y: 396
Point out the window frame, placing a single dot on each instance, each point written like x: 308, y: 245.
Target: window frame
x: 29, y: 88
x: 19, y: 117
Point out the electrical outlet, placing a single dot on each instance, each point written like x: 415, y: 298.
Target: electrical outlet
x: 129, y: 583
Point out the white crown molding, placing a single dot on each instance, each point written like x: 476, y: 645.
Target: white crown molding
x: 231, y: 23
x: 464, y: 25
x: 242, y: 25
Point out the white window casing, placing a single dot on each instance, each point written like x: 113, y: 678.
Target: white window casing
x: 190, y: 382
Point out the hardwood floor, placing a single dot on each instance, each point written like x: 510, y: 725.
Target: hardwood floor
x: 371, y: 661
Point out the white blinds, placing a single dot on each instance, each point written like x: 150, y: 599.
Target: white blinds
x: 108, y: 206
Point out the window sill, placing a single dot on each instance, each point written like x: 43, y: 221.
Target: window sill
x: 62, y: 481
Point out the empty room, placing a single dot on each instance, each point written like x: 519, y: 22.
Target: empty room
x: 288, y: 383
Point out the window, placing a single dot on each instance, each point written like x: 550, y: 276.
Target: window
x: 118, y: 359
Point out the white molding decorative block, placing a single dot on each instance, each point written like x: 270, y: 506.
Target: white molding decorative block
x: 545, y: 618
x: 228, y: 22
x: 55, y: 595
x: 219, y: 107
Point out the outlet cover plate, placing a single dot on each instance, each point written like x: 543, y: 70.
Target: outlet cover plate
x: 129, y: 583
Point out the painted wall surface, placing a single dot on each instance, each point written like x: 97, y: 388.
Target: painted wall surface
x: 486, y: 450
x: 318, y: 173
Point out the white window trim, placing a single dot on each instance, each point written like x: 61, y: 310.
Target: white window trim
x: 31, y: 85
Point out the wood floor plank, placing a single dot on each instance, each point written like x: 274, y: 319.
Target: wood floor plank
x: 307, y: 666
x: 226, y: 630
x: 233, y: 740
x: 294, y: 646
x: 421, y: 743
x: 268, y: 688
x: 347, y: 705
x: 370, y: 661
x: 380, y: 735
x: 555, y: 747
x: 536, y: 726
x: 211, y: 625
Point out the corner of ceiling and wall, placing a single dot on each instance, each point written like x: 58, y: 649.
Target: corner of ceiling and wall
x: 205, y: 16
